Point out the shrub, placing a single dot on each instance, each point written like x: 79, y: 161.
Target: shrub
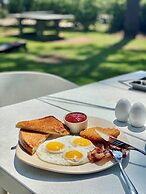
x: 58, y: 6
x: 15, y: 6
x: 3, y: 13
x: 86, y: 13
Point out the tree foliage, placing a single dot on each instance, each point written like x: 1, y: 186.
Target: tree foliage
x: 15, y: 6
x: 85, y: 11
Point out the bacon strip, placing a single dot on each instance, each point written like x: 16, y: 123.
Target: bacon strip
x: 98, y: 153
x: 102, y: 152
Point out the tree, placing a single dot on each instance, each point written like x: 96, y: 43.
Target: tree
x: 86, y: 13
x: 131, y: 25
x: 1, y: 3
x: 15, y: 6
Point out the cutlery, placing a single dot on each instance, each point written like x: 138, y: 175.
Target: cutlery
x: 13, y: 147
x: 43, y: 100
x: 65, y: 100
x: 119, y: 143
x: 118, y: 156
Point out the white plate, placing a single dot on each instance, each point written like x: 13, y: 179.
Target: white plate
x: 81, y: 169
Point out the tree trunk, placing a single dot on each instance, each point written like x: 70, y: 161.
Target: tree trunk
x: 131, y: 25
x: 1, y: 3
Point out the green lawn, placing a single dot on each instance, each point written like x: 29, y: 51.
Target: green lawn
x: 81, y: 57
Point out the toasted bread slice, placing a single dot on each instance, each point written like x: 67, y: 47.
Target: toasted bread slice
x: 92, y: 135
x: 48, y: 124
x: 30, y: 140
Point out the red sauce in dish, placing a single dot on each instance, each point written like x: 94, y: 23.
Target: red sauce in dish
x: 75, y: 117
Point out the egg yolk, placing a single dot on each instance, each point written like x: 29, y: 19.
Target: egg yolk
x: 73, y: 155
x: 81, y: 142
x: 54, y: 146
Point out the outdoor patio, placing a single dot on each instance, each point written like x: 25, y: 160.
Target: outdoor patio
x: 72, y: 101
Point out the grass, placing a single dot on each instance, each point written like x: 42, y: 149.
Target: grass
x: 81, y: 57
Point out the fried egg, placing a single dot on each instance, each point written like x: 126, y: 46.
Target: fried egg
x: 81, y: 142
x: 55, y: 147
x: 67, y: 150
x: 75, y: 156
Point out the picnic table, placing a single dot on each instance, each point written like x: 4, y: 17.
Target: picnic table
x: 41, y: 18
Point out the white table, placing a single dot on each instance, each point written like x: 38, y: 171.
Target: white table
x: 17, y: 177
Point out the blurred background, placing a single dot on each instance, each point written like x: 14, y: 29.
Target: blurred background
x: 102, y: 39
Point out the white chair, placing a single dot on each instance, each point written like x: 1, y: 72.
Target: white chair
x: 20, y: 86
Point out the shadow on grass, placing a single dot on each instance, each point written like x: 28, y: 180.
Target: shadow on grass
x: 99, y: 58
x: 45, y: 38
x: 94, y: 66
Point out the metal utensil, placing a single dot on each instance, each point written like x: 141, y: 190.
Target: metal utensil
x: 76, y: 102
x: 60, y: 107
x: 122, y: 144
x: 119, y: 143
x: 118, y: 156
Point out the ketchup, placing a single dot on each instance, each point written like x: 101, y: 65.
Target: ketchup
x: 75, y: 117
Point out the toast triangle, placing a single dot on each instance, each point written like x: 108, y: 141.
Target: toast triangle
x: 49, y: 124
x: 30, y: 140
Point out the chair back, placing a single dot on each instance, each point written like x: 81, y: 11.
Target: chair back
x: 20, y: 86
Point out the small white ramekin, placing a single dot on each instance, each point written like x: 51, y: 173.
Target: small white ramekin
x: 76, y: 127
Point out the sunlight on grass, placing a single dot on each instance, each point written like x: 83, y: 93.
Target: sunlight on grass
x: 81, y: 57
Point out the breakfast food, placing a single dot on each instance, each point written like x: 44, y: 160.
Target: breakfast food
x: 92, y: 135
x: 103, y: 152
x: 76, y: 121
x: 99, y: 153
x: 49, y: 124
x: 75, y: 117
x: 30, y: 140
x: 67, y: 150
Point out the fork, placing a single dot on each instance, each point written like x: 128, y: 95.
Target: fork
x: 118, y: 156
x: 118, y: 143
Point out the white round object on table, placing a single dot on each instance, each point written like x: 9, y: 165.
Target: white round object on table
x: 137, y: 115
x: 122, y: 110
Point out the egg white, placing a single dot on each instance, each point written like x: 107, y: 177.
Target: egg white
x: 87, y: 148
x: 58, y: 158
x: 72, y: 162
